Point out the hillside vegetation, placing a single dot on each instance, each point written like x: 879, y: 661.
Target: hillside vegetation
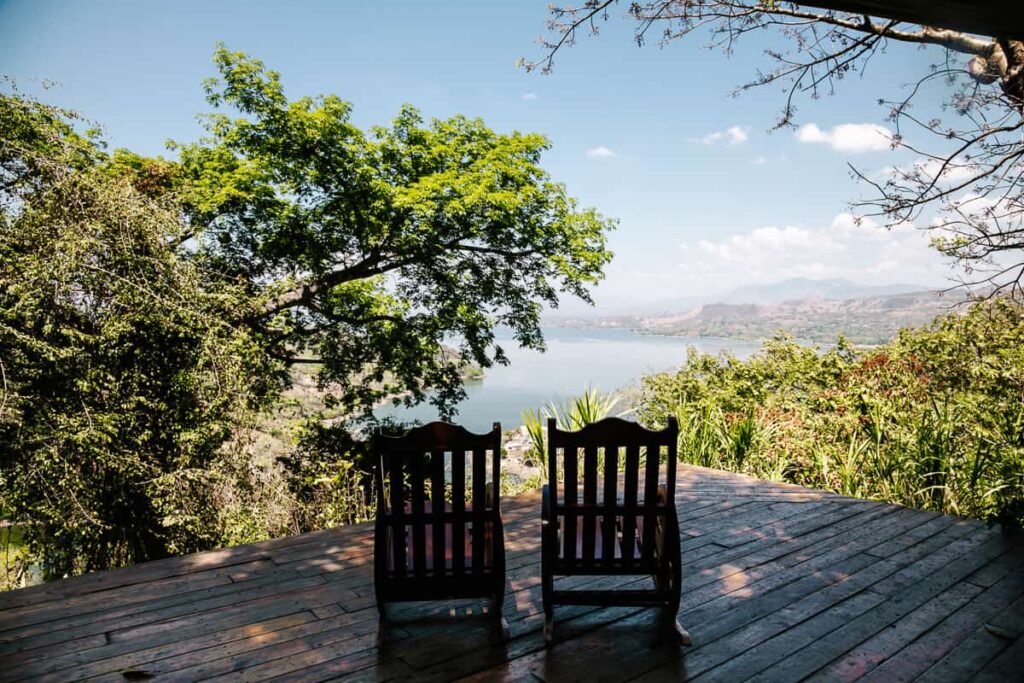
x: 932, y: 419
x: 868, y: 320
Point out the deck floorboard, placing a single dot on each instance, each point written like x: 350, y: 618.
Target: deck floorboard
x: 779, y: 583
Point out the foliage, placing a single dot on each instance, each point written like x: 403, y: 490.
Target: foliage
x: 933, y: 419
x: 368, y: 249
x: 121, y: 379
x: 329, y: 474
x: 13, y: 565
x: 150, y: 308
x: 575, y: 413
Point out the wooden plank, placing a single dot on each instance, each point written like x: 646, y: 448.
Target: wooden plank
x: 854, y: 664
x: 570, y: 459
x: 185, y: 652
x: 417, y: 516
x: 930, y: 649
x: 966, y: 556
x: 437, y: 500
x: 609, y: 520
x: 61, y: 590
x: 181, y: 628
x: 967, y: 658
x: 1006, y: 666
x: 57, y: 640
x: 774, y: 574
x: 399, y: 551
x: 589, y: 498
x: 747, y: 651
x: 650, y: 514
x: 459, y: 507
x: 479, y: 497
x: 630, y: 497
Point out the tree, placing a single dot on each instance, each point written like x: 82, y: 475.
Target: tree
x: 121, y: 375
x: 968, y: 189
x: 368, y: 250
x: 150, y: 307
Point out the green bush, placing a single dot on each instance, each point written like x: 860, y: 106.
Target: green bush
x: 933, y: 419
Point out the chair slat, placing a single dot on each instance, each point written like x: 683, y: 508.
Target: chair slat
x: 609, y: 518
x: 459, y: 508
x: 670, y: 475
x: 650, y: 501
x: 417, y: 518
x: 629, y: 502
x: 570, y: 462
x: 438, y: 508
x: 399, y: 550
x: 479, y: 496
x: 496, y: 476
x: 590, y: 498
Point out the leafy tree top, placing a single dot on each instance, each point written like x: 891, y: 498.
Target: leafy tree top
x: 368, y: 248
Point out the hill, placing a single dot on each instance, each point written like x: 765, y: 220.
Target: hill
x: 866, y: 320
x: 800, y: 288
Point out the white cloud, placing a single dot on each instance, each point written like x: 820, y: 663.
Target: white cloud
x: 600, y: 152
x: 530, y: 96
x: 848, y: 137
x: 858, y: 250
x: 734, y: 135
x: 758, y: 161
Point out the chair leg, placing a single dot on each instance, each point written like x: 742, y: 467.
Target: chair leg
x: 500, y: 621
x: 549, y: 628
x: 682, y: 633
x: 382, y: 622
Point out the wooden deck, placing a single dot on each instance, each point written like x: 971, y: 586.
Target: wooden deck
x: 780, y: 583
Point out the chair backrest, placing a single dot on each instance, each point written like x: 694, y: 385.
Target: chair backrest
x: 609, y: 447
x: 421, y: 480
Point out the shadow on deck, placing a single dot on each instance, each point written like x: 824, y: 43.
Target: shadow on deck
x: 779, y: 583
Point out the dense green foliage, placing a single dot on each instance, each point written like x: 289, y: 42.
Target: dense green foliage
x: 149, y: 308
x: 121, y: 380
x: 369, y: 249
x: 933, y: 419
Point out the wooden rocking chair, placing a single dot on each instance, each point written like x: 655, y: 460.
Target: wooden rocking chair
x: 429, y: 544
x: 626, y: 526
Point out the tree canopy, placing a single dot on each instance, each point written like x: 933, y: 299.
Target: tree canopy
x: 369, y: 249
x: 150, y: 307
x: 122, y: 376
x: 966, y: 186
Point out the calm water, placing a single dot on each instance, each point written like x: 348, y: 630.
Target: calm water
x: 604, y: 359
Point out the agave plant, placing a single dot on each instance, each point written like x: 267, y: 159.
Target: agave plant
x: 574, y: 413
x: 533, y: 420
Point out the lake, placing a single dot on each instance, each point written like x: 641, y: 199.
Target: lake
x: 601, y: 358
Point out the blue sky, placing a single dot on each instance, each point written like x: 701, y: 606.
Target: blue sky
x: 707, y: 198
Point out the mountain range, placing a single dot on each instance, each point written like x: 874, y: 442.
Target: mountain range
x: 812, y: 310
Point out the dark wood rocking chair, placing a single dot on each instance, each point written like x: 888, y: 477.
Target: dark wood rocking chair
x: 429, y: 544
x: 616, y: 529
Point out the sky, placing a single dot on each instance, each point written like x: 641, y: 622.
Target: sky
x: 707, y: 196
